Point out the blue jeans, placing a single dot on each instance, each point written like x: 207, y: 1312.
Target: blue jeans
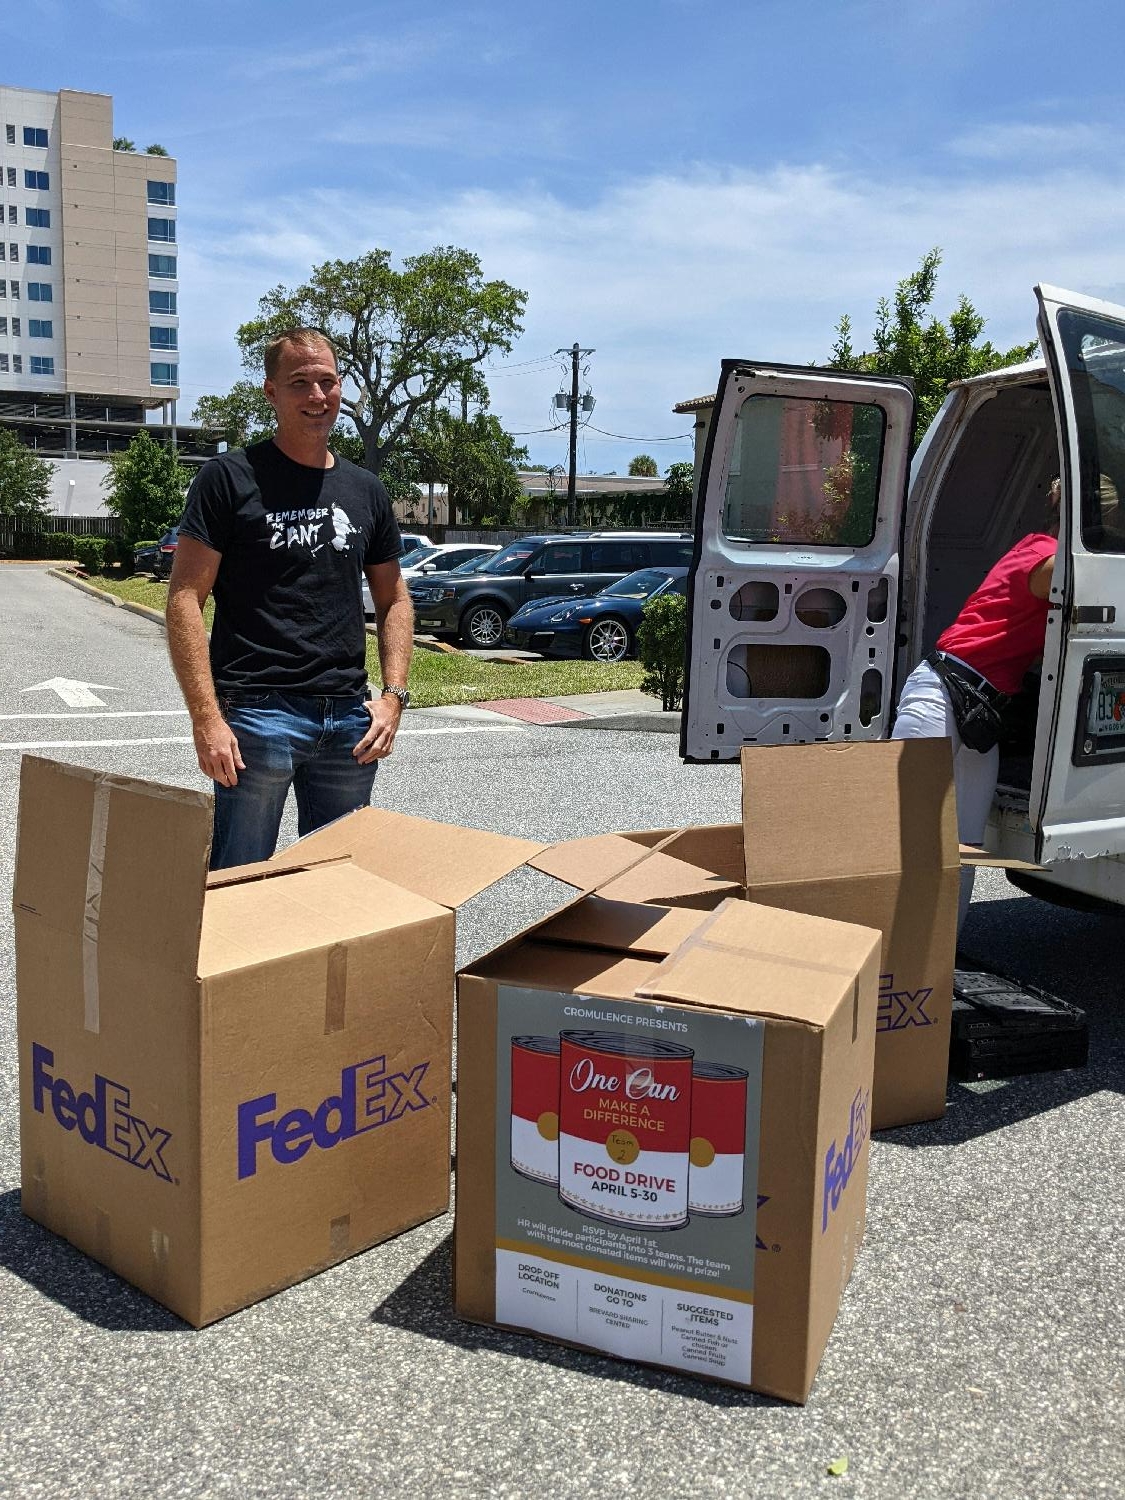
x: 288, y: 739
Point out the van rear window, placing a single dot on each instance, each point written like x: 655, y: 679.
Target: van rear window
x: 1094, y: 350
x: 804, y: 472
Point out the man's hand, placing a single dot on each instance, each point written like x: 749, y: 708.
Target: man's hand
x: 379, y: 740
x: 217, y: 750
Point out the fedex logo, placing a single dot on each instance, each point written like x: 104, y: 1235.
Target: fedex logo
x: 369, y: 1097
x: 901, y: 1008
x: 839, y: 1162
x: 102, y: 1117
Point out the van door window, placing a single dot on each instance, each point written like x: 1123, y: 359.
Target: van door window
x: 804, y: 472
x: 1095, y: 357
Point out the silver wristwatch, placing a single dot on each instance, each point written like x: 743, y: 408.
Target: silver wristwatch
x: 398, y: 692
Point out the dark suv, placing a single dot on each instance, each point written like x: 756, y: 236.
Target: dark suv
x: 476, y: 607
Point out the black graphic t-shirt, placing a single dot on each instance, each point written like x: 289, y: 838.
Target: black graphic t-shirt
x: 294, y: 543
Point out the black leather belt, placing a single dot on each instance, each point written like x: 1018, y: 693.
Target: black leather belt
x: 942, y: 662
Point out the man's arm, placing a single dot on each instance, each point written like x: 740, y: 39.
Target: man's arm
x: 1039, y: 579
x: 193, y: 574
x: 394, y: 620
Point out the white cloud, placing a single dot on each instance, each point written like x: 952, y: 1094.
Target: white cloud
x: 666, y: 275
x: 1034, y: 144
x: 357, y: 57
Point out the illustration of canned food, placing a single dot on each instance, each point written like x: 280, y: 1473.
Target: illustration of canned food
x: 625, y: 1128
x: 535, y: 1107
x: 718, y: 1139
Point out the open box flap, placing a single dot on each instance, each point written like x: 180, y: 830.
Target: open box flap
x: 441, y: 861
x: 620, y: 926
x: 766, y: 961
x: 115, y: 859
x: 266, y: 869
x: 589, y: 862
x: 827, y: 811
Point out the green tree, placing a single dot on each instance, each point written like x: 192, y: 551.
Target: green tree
x: 404, y: 339
x: 643, y: 466
x: 679, y: 481
x: 909, y: 340
x: 25, y: 481
x: 145, y: 488
x: 476, y: 459
x: 155, y: 150
x: 123, y: 143
x: 242, y: 416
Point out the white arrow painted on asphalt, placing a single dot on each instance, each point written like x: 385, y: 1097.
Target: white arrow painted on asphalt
x: 74, y: 694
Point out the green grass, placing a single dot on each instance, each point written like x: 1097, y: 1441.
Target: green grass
x: 444, y: 678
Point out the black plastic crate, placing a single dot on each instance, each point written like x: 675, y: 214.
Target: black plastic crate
x: 1002, y: 1028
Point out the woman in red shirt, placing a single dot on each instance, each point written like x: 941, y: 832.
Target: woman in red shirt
x: 997, y: 635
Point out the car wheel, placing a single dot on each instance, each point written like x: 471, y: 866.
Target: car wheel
x: 606, y: 640
x: 483, y: 626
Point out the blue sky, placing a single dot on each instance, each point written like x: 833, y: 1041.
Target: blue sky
x: 671, y: 182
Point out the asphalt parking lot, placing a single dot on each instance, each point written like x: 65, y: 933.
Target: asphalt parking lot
x: 979, y: 1346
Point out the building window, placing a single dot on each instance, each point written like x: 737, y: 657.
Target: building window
x: 13, y: 214
x: 42, y: 364
x: 3, y: 251
x: 38, y: 218
x: 11, y: 176
x: 17, y: 364
x: 40, y: 291
x: 4, y: 326
x: 162, y: 192
x: 3, y: 364
x: 15, y: 328
x: 13, y: 251
x: 39, y: 255
x: 163, y: 266
x: 38, y: 181
x: 163, y: 338
x: 10, y: 134
x: 164, y: 374
x: 40, y: 328
x: 15, y: 289
x: 162, y: 229
x: 3, y: 288
x: 162, y: 302
x: 33, y: 136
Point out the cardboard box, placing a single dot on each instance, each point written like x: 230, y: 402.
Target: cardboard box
x: 662, y: 1132
x: 230, y: 1083
x: 862, y: 833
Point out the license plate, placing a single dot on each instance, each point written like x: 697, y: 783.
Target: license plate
x: 1105, y: 716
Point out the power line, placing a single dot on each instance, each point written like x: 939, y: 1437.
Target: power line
x: 625, y: 438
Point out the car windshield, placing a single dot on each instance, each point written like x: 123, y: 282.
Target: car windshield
x: 419, y: 555
x: 512, y: 558
x: 636, y: 585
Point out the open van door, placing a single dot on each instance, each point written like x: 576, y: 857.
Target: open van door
x: 1077, y: 799
x: 794, y: 587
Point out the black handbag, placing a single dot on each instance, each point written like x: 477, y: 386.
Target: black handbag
x: 978, y: 714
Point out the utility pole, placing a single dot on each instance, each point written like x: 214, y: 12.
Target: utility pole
x: 571, y: 497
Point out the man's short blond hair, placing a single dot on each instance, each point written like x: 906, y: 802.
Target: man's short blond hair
x: 298, y: 338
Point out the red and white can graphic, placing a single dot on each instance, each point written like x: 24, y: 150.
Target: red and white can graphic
x: 624, y: 1128
x: 718, y: 1139
x: 535, y: 1107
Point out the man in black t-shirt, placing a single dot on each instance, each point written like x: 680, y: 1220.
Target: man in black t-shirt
x: 282, y: 533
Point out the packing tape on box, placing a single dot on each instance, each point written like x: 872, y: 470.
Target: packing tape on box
x: 92, y: 912
x: 336, y: 988
x: 339, y: 1235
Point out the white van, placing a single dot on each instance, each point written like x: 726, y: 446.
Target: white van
x: 820, y: 577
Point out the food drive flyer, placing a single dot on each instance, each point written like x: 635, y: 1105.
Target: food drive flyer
x: 627, y: 1177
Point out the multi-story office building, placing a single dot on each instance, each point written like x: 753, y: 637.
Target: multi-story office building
x: 89, y: 325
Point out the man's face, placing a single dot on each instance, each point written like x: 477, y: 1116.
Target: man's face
x: 305, y: 392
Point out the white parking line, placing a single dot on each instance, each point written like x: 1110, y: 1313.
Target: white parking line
x: 186, y: 739
x: 110, y: 713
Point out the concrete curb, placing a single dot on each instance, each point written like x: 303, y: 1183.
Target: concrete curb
x: 646, y: 723
x: 143, y: 610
